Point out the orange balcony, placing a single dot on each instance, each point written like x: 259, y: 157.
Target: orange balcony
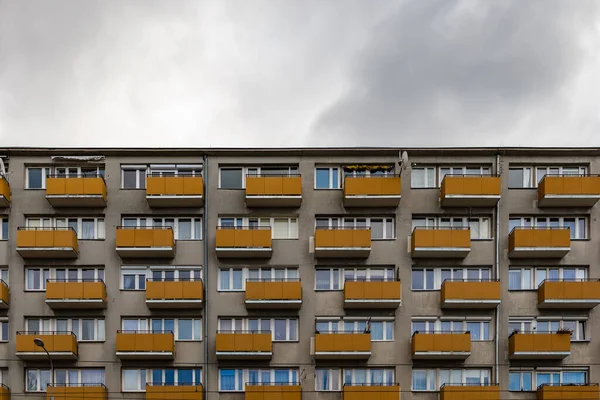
x: 244, y: 345
x: 342, y: 346
x: 244, y: 242
x: 568, y: 392
x: 469, y: 392
x: 79, y: 191
x: 150, y: 242
x: 4, y: 296
x: 371, y: 392
x: 61, y: 294
x: 145, y: 345
x: 72, y: 391
x: 470, y: 294
x: 441, y: 345
x: 4, y: 392
x: 539, y: 242
x: 60, y: 346
x: 539, y: 345
x: 272, y: 392
x: 440, y: 242
x: 342, y: 242
x: 581, y: 293
x: 47, y: 243
x: 375, y: 191
x: 174, y: 392
x: 372, y: 294
x: 274, y: 191
x: 273, y: 293
x: 4, y: 192
x: 174, y: 294
x: 568, y: 191
x: 470, y: 191
x: 175, y: 191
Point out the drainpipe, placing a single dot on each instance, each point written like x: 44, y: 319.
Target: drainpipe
x: 205, y: 273
x: 497, y: 274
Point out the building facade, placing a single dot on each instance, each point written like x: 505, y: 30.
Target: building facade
x: 289, y: 273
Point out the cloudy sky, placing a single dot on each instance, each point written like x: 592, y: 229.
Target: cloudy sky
x: 299, y: 73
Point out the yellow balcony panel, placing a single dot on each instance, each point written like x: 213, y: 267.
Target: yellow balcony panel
x: 145, y: 345
x: 79, y: 191
x: 150, y: 242
x: 539, y: 242
x: 60, y: 345
x: 70, y: 391
x: 470, y: 294
x: 342, y: 346
x: 469, y: 392
x: 441, y: 345
x: 4, y: 392
x: 174, y: 294
x: 244, y: 345
x: 470, y: 191
x: 539, y: 345
x: 569, y: 191
x: 47, y: 243
x: 273, y: 293
x: 244, y: 242
x: 581, y: 293
x: 375, y: 191
x: 272, y: 392
x: 175, y: 191
x: 81, y: 294
x: 174, y: 392
x: 274, y: 191
x: 4, y: 295
x: 372, y: 294
x: 4, y: 192
x: 568, y: 392
x: 371, y: 392
x: 342, y: 242
x: 440, y: 242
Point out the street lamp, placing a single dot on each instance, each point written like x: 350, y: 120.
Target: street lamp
x: 40, y: 343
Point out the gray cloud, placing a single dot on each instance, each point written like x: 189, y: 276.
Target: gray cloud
x: 279, y: 73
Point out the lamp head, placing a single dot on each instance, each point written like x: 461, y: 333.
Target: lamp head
x: 38, y: 342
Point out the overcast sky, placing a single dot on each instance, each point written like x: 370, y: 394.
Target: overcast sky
x: 299, y: 73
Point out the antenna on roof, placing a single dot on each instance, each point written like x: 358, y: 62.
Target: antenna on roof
x: 403, y: 161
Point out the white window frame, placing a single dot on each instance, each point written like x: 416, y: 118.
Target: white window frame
x: 4, y: 275
x: 290, y: 333
x: 141, y: 381
x: 176, y: 328
x: 68, y: 171
x: 45, y: 173
x: 456, y: 273
x: 150, y: 375
x: 581, y: 273
x: 429, y: 177
x: 3, y: 221
x: 242, y: 376
x: 52, y: 325
x: 434, y: 380
x: 533, y: 372
x: 4, y: 330
x: 532, y: 176
x: 248, y: 272
x: 388, y: 274
x: 359, y: 325
x: 334, y: 380
x: 51, y: 273
x: 332, y: 171
x: 65, y: 222
x: 176, y: 269
x: 357, y: 222
x: 386, y: 372
x: 549, y: 222
x: 133, y: 270
x: 169, y: 170
x: 581, y: 326
x: 461, y: 170
x: 258, y: 222
x: 38, y: 373
x: 140, y: 178
x: 79, y: 372
x: 254, y: 170
x: 148, y: 222
x: 433, y: 325
x: 455, y: 222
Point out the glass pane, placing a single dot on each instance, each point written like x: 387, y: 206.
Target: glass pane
x: 231, y: 178
x: 35, y: 178
x: 322, y: 178
x: 185, y: 329
x: 184, y: 229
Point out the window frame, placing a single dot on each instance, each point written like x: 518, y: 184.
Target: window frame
x: 438, y: 275
x: 65, y: 222
x: 581, y: 326
x: 241, y: 222
x: 245, y: 275
x: 389, y: 274
x: 454, y: 222
x: 331, y: 172
x: 582, y: 273
x: 433, y: 325
x: 45, y: 173
x: 433, y: 377
x: 340, y: 324
x: 253, y: 170
x: 341, y: 222
x: 533, y: 173
x: 52, y: 274
x: 335, y: 376
x: 533, y: 372
x: 145, y: 324
x: 241, y: 377
x: 148, y: 222
x: 99, y: 329
x: 140, y: 178
x: 291, y: 333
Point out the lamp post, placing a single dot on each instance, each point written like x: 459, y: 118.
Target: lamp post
x: 40, y: 343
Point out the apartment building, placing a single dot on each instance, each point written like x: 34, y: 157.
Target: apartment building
x: 281, y: 274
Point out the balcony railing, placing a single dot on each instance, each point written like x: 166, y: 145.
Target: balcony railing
x: 569, y: 293
x: 533, y: 242
x: 569, y: 191
x: 47, y: 242
x: 573, y: 391
x: 539, y: 345
x: 342, y: 242
x: 161, y: 293
x: 469, y: 391
x: 372, y: 293
x: 453, y: 345
x: 470, y: 293
x: 80, y: 293
x: 145, y: 242
x: 145, y: 345
x: 244, y: 242
x: 470, y: 190
x: 156, y: 391
x: 175, y: 191
x: 379, y: 391
x: 4, y: 295
x: 273, y: 391
x: 270, y: 190
x: 64, y: 391
x: 61, y: 345
x: 372, y: 191
x: 244, y: 344
x: 339, y: 345
x: 4, y: 192
x: 440, y: 242
x: 274, y: 293
x: 81, y: 190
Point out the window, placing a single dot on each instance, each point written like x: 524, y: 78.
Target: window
x: 35, y: 278
x: 334, y: 278
x: 381, y: 329
x: 577, y: 225
x: 480, y: 330
x: 327, y: 178
x: 528, y: 278
x: 35, y: 177
x: 462, y: 170
x: 234, y: 279
x: 432, y: 278
x: 175, y: 170
x: 37, y: 379
x: 529, y: 380
x: 133, y: 278
x: 281, y: 227
x: 523, y: 177
x: 4, y: 228
x: 75, y: 376
x: 183, y: 228
x: 86, y: 329
x: 423, y: 177
x: 432, y: 379
x: 184, y: 329
x: 369, y: 376
x: 134, y: 380
x: 231, y: 178
x: 86, y: 228
x: 235, y: 177
x: 282, y: 329
x: 545, y: 325
x: 327, y: 379
x: 4, y: 330
x: 4, y: 275
x: 381, y: 228
x: 234, y: 380
x: 75, y: 172
x: 480, y: 227
x: 174, y: 376
x: 133, y: 176
x: 170, y: 274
